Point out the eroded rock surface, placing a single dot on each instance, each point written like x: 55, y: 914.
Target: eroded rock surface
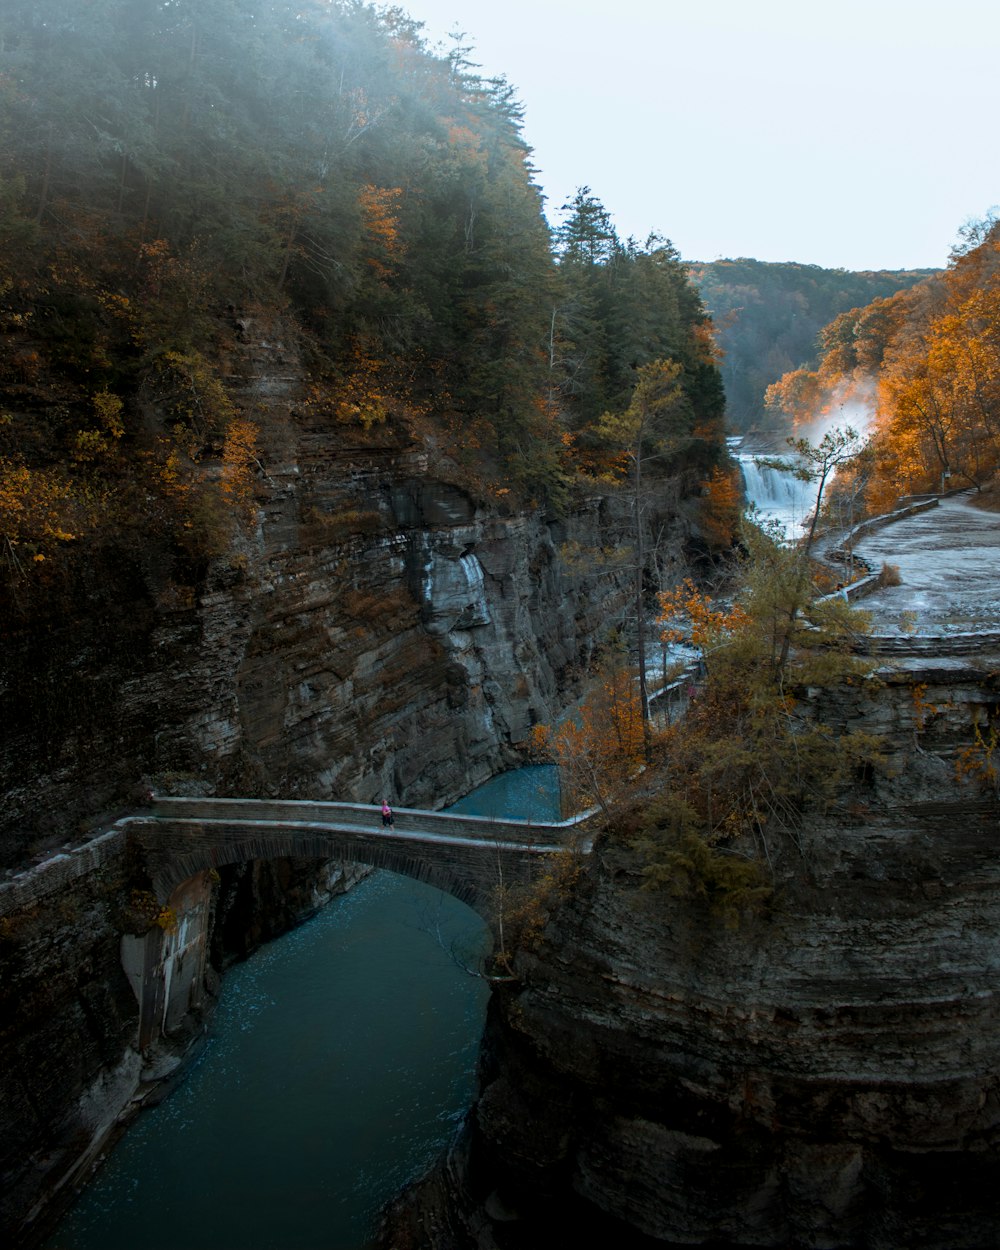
x: 828, y: 1076
x: 383, y: 633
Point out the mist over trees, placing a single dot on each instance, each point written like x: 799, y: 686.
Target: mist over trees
x: 169, y: 168
x: 927, y: 362
x: 768, y: 317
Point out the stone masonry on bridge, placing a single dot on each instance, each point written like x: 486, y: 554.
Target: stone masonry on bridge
x: 181, y: 841
x: 178, y: 842
x: 467, y: 856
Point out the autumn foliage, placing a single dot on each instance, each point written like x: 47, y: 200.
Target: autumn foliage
x: 926, y: 363
x: 599, y: 749
x: 721, y: 507
x: 173, y: 174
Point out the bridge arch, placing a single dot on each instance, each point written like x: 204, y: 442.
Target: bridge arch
x: 467, y: 857
x: 471, y: 885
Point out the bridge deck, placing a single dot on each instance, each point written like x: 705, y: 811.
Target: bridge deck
x: 409, y: 823
x: 470, y: 856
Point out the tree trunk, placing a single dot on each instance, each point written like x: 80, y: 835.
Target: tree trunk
x: 639, y: 613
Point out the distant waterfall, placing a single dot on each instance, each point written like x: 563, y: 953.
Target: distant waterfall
x: 777, y: 496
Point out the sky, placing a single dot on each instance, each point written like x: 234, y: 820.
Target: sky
x: 860, y: 134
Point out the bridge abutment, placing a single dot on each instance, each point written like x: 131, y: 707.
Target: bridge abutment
x: 167, y: 965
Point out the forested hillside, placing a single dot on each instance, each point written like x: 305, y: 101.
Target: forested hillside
x: 768, y: 318
x: 173, y: 170
x: 927, y: 359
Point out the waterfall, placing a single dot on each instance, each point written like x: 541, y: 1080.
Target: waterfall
x: 777, y: 496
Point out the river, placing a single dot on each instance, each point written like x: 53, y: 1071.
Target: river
x: 341, y: 1060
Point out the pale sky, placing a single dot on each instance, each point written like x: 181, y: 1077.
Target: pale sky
x: 858, y: 134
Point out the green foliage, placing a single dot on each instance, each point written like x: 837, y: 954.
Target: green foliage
x: 680, y: 859
x: 769, y: 317
x: 619, y: 307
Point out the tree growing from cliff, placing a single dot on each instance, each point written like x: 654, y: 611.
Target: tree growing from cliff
x: 602, y: 746
x: 816, y: 464
x: 652, y: 430
x: 751, y: 760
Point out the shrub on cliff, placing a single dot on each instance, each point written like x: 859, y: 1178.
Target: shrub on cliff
x: 750, y: 760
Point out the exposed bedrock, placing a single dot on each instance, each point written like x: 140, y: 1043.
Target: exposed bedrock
x: 384, y: 631
x: 381, y: 633
x: 828, y: 1076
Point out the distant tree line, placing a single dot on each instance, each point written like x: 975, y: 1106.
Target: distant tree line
x: 768, y: 317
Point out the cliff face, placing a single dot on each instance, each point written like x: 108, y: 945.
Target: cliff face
x: 381, y: 633
x: 827, y: 1076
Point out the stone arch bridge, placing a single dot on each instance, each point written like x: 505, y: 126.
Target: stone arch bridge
x: 467, y: 856
x: 179, y: 841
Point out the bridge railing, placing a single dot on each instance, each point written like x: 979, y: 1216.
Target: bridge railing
x: 366, y: 816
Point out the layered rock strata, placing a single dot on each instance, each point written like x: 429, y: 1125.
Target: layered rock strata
x: 828, y: 1076
x: 383, y: 632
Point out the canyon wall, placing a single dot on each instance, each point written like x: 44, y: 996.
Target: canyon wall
x: 385, y: 631
x: 827, y: 1075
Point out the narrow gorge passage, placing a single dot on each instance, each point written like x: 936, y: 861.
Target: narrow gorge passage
x: 342, y: 1060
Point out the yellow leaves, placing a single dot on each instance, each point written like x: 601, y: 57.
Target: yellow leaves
x: 696, y: 619
x: 365, y: 394
x: 36, y: 507
x: 239, y: 459
x: 92, y: 445
x: 89, y: 445
x: 197, y: 399
x: 109, y: 411
x: 146, y: 910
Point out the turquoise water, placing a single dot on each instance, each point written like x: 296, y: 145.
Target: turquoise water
x: 341, y: 1061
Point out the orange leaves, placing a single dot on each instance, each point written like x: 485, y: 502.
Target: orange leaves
x: 980, y: 762
x: 379, y: 218
x: 695, y: 617
x: 706, y: 345
x: 799, y: 395
x: 600, y: 748
x: 934, y: 354
x: 721, y: 507
x: 239, y: 459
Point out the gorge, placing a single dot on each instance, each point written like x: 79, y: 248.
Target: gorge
x: 332, y: 472
x: 368, y: 668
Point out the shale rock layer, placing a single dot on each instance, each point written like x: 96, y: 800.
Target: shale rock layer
x: 824, y: 1076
